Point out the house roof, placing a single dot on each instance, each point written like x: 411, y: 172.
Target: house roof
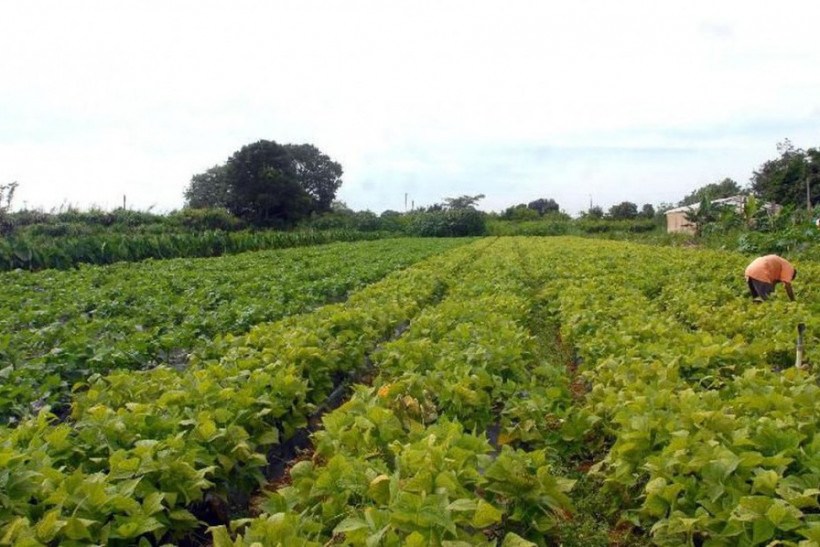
x: 731, y: 200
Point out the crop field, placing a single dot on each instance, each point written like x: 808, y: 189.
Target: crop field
x: 502, y: 391
x: 59, y: 327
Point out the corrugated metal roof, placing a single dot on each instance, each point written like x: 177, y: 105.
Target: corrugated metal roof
x: 731, y: 200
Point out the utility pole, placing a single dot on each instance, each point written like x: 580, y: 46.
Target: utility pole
x: 405, y: 202
x: 123, y: 202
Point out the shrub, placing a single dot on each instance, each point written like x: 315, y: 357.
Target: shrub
x: 449, y: 223
x: 205, y: 219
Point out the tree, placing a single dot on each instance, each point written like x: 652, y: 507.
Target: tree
x: 792, y: 179
x: 462, y: 202
x: 716, y: 190
x: 647, y: 211
x: 705, y: 212
x: 6, y: 197
x: 209, y: 189
x: 266, y: 183
x: 623, y: 211
x: 264, y: 187
x: 544, y: 206
x: 519, y: 212
x: 339, y: 206
x: 595, y: 212
x: 318, y: 175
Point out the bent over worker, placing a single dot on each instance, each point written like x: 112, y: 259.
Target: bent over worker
x: 767, y: 271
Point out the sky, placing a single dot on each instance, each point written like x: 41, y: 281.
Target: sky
x: 583, y: 102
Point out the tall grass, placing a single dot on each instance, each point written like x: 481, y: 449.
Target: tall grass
x: 37, y: 252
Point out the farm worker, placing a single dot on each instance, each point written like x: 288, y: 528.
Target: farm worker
x: 767, y: 271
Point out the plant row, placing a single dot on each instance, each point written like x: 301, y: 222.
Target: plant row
x: 63, y: 252
x: 713, y: 437
x: 449, y: 446
x: 142, y: 450
x: 61, y: 327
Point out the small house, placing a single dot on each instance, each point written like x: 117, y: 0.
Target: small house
x: 676, y: 218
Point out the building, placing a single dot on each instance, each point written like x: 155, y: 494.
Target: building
x: 676, y: 218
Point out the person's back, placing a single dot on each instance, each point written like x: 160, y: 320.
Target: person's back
x: 765, y: 272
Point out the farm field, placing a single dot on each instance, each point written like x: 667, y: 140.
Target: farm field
x: 510, y: 391
x: 58, y: 327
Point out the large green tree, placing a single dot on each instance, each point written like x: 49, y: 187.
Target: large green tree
x: 269, y: 184
x: 462, y: 202
x: 623, y: 211
x: 209, y: 189
x: 715, y: 190
x: 788, y: 179
x: 544, y: 206
x: 264, y: 188
x: 318, y: 175
x: 647, y: 211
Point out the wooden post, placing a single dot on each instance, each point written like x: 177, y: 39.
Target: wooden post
x: 798, y: 361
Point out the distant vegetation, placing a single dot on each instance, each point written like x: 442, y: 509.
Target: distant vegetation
x: 269, y: 184
x: 291, y: 188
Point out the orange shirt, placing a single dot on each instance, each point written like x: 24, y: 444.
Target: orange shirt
x: 770, y: 269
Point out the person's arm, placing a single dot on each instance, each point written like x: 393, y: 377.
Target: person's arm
x: 789, y: 291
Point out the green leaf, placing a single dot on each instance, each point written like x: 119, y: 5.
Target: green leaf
x: 752, y: 507
x: 486, y: 515
x: 379, y: 489
x: 785, y: 517
x: 463, y: 504
x: 765, y: 482
x: 812, y: 532
x: 132, y: 527
x: 416, y: 539
x: 77, y: 528
x: 349, y: 525
x: 49, y: 526
x: 16, y: 526
x: 221, y: 537
x: 514, y: 540
x: 762, y: 531
x: 152, y: 504
x: 271, y: 436
x: 182, y: 515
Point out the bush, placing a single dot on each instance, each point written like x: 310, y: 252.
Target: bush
x: 546, y: 227
x: 366, y: 221
x: 609, y: 226
x: 205, y: 219
x: 800, y: 238
x: 393, y: 221
x: 449, y: 223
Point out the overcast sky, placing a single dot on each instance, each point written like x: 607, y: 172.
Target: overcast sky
x: 576, y: 101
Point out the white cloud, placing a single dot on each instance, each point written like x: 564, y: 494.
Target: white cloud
x: 436, y: 99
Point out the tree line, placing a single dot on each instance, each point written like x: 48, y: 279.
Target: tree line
x: 267, y: 184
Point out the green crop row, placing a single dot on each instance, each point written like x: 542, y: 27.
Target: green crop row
x: 408, y: 461
x: 38, y: 253
x: 713, y: 435
x: 142, y: 449
x: 61, y: 327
